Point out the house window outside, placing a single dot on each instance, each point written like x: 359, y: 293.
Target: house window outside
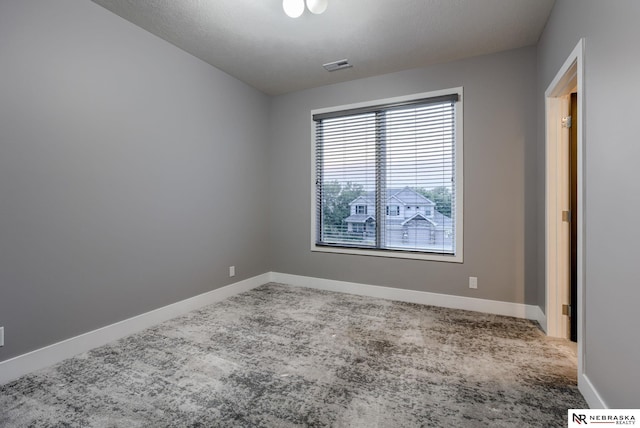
x: 407, y: 151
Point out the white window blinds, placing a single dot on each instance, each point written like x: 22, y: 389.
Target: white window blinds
x: 375, y: 165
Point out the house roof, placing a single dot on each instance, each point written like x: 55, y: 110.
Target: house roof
x: 418, y: 216
x: 359, y: 218
x: 366, y: 199
x: 404, y: 195
x: 438, y: 219
x: 441, y: 220
x: 408, y: 196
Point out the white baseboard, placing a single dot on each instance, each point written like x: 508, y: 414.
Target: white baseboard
x: 590, y: 394
x: 539, y: 316
x: 532, y: 312
x: 422, y: 297
x: 23, y: 364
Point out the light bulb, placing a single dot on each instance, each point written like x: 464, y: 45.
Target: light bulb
x: 293, y: 8
x: 317, y: 6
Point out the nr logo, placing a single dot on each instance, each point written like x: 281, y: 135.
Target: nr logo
x: 580, y: 419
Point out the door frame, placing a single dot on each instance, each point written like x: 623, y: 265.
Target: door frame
x: 569, y: 78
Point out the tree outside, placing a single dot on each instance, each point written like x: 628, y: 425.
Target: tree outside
x: 336, y: 197
x: 335, y: 201
x: 441, y: 196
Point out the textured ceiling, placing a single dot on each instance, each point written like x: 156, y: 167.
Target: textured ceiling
x: 254, y: 41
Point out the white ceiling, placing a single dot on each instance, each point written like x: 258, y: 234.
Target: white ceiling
x: 254, y: 41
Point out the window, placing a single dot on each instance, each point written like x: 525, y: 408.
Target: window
x: 361, y: 209
x: 403, y: 151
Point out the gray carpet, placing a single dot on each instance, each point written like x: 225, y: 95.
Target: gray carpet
x: 281, y: 356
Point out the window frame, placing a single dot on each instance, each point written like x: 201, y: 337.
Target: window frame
x: 458, y: 173
x: 393, y: 213
x: 364, y: 209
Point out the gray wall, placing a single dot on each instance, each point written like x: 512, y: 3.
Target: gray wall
x: 128, y: 182
x: 612, y: 67
x: 131, y: 173
x: 499, y: 181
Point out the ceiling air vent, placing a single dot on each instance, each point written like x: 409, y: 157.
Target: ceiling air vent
x: 337, y: 65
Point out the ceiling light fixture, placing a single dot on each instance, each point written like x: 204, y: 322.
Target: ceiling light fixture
x: 295, y: 8
x: 317, y: 6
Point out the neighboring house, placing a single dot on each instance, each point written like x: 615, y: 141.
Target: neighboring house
x: 411, y: 220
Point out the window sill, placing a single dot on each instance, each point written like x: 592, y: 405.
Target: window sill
x: 457, y: 258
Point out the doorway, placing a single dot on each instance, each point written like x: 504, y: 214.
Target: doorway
x: 564, y: 203
x: 573, y: 214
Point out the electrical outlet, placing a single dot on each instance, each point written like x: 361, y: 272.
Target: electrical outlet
x: 232, y: 271
x: 473, y: 282
x: 1, y: 336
